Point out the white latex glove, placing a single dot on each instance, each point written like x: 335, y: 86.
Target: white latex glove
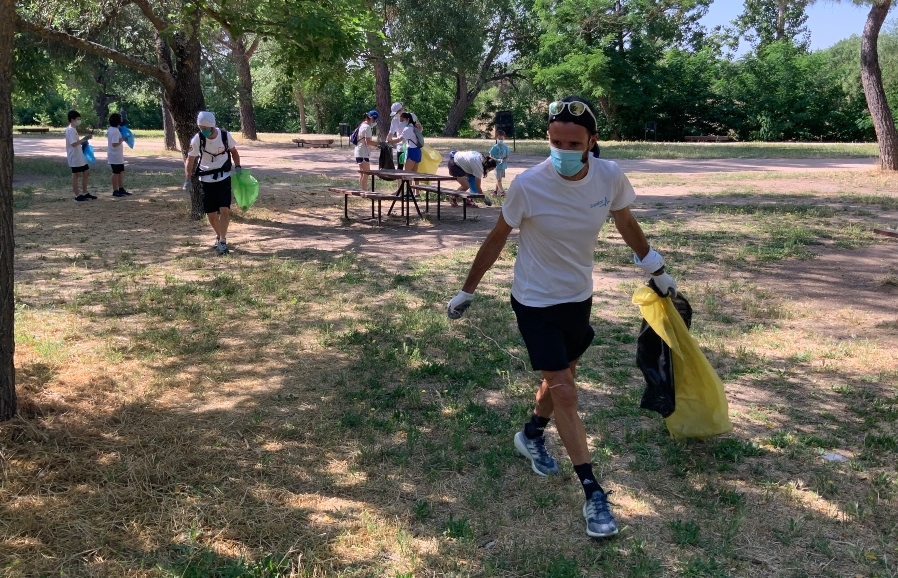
x: 459, y: 304
x: 665, y: 284
x: 186, y: 186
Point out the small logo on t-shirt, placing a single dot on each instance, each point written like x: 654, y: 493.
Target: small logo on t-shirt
x: 603, y: 203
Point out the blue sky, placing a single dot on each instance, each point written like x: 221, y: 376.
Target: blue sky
x: 828, y: 21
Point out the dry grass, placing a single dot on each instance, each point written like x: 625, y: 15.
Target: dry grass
x: 309, y: 411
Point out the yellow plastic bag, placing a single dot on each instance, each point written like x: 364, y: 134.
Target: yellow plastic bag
x: 701, y: 405
x: 430, y: 160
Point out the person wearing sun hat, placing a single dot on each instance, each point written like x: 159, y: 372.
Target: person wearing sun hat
x: 559, y: 207
x: 363, y: 145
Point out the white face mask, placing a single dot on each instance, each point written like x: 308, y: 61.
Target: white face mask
x: 500, y: 141
x: 77, y: 122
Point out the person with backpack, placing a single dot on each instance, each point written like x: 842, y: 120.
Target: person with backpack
x: 362, y: 139
x: 211, y: 157
x: 412, y: 138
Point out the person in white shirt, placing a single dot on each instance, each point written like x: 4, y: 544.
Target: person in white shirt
x: 115, y: 156
x: 364, y: 144
x: 559, y: 206
x: 407, y: 135
x: 210, y: 157
x: 469, y: 168
x: 74, y: 144
x: 396, y: 129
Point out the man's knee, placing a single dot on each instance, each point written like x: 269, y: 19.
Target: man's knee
x: 562, y: 389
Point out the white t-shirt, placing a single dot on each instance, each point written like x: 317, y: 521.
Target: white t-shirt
x: 74, y: 155
x: 394, y: 124
x: 471, y: 162
x: 408, y: 134
x: 114, y: 154
x: 560, y: 222
x: 363, y: 150
x: 215, y: 147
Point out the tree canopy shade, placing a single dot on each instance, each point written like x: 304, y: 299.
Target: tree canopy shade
x: 871, y: 76
x: 7, y: 299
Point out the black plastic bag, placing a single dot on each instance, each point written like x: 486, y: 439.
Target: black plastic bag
x: 654, y: 359
x: 385, y: 162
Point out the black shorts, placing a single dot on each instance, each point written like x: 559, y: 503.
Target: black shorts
x: 555, y: 335
x: 116, y: 169
x: 361, y: 160
x: 82, y: 169
x: 217, y: 195
x: 455, y: 170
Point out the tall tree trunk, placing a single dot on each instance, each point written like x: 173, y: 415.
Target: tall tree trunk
x: 382, y: 94
x: 871, y: 76
x: 185, y: 95
x: 168, y: 125
x: 460, y: 104
x: 609, y: 109
x: 7, y: 278
x: 781, y: 6
x: 103, y: 98
x: 301, y: 105
x: 241, y: 54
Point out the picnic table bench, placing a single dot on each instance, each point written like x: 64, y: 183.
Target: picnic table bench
x: 454, y: 194
x: 709, y: 138
x: 371, y: 195
x: 27, y: 130
x: 314, y: 142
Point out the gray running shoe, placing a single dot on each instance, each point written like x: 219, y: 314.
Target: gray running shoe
x: 216, y: 243
x: 599, y: 520
x: 535, y: 451
x: 222, y: 248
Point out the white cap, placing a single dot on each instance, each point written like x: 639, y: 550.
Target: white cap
x: 205, y: 118
x: 394, y: 110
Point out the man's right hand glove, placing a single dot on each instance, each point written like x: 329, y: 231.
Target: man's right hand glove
x: 459, y: 304
x: 665, y: 285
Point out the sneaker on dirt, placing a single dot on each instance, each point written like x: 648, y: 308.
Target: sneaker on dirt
x: 89, y: 196
x: 117, y: 194
x: 599, y: 520
x: 222, y: 248
x: 535, y: 451
x: 81, y: 199
x: 124, y: 192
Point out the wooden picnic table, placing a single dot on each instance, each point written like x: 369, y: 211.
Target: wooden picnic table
x: 404, y: 193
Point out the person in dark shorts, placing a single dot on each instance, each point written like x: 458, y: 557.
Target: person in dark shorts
x: 364, y: 144
x: 559, y: 206
x: 74, y: 144
x: 212, y: 155
x: 469, y: 168
x: 115, y: 156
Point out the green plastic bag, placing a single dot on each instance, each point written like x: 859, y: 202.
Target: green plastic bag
x: 245, y: 188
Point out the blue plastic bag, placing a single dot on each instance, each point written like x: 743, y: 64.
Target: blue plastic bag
x: 127, y: 135
x: 88, y: 152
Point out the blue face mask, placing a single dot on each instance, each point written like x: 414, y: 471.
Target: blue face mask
x: 206, y: 132
x: 500, y: 141
x: 567, y: 163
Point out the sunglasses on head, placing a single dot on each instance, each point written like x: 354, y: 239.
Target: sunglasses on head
x: 576, y: 108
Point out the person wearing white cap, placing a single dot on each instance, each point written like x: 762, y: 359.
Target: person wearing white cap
x: 211, y: 157
x: 397, y: 126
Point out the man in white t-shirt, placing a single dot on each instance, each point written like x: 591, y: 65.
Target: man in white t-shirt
x: 559, y: 206
x: 212, y: 154
x: 364, y: 144
x: 115, y: 155
x: 74, y: 146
